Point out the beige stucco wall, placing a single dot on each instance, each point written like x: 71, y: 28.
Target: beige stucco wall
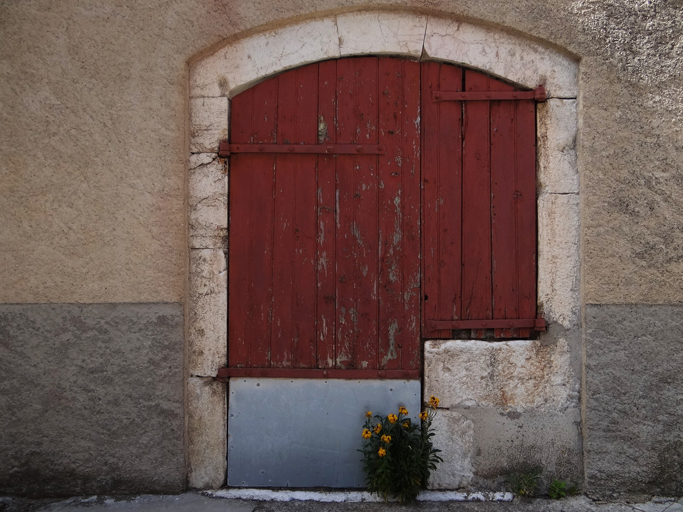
x: 94, y: 138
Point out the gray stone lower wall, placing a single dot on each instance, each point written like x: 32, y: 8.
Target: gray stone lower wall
x: 91, y: 399
x: 634, y: 400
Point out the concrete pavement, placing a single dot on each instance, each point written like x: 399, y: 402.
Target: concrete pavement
x: 191, y: 502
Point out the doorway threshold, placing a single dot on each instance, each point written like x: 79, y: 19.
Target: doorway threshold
x: 323, y: 496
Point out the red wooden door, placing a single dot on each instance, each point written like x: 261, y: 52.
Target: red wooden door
x: 341, y: 263
x: 324, y: 268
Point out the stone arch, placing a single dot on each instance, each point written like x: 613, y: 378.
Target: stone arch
x: 215, y: 78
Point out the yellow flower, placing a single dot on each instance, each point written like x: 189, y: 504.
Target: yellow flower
x: 392, y: 418
x: 382, y: 452
x: 402, y: 410
x: 405, y: 424
x: 423, y: 415
x: 386, y: 439
x: 368, y: 414
x: 378, y: 428
x: 366, y: 434
x: 433, y: 402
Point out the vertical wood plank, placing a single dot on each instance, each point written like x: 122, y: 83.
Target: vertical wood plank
x: 410, y: 209
x: 251, y: 211
x: 305, y: 218
x: 503, y: 210
x: 240, y: 191
x: 284, y: 330
x: 442, y: 201
x: 346, y: 127
x: 365, y: 215
x: 525, y: 168
x: 326, y: 258
x: 391, y: 106
x: 476, y: 207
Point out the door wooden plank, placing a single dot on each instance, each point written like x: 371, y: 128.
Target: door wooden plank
x: 449, y: 200
x: 326, y: 256
x: 251, y: 200
x: 391, y: 321
x: 410, y: 209
x: 346, y: 128
x: 364, y: 236
x: 442, y: 182
x: 305, y: 218
x: 525, y: 167
x: 476, y: 206
x: 239, y: 284
x: 504, y: 218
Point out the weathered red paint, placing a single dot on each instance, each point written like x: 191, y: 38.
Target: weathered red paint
x: 488, y: 269
x: 225, y: 149
x: 364, y: 215
x: 340, y: 293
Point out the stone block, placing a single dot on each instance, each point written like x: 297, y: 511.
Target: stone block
x: 208, y: 306
x: 559, y: 259
x: 207, y: 431
x: 509, y: 375
x: 237, y: 66
x: 381, y: 33
x: 456, y: 439
x: 208, y: 124
x: 92, y: 399
x: 207, y: 201
x: 502, y: 54
x: 634, y: 404
x: 557, y: 130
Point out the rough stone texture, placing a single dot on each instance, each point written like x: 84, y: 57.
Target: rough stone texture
x: 556, y: 150
x: 381, y: 32
x: 502, y: 54
x: 512, y: 441
x: 207, y: 330
x: 207, y: 446
x: 91, y: 399
x: 456, y: 439
x: 559, y: 258
x: 205, y: 115
x: 513, y: 375
x: 207, y: 201
x: 482, y: 446
x: 634, y: 403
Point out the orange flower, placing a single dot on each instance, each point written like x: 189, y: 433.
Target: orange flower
x: 392, y: 418
x: 433, y: 402
x: 424, y: 415
x: 378, y: 428
x: 406, y: 424
x: 368, y: 414
x: 386, y: 439
x: 382, y: 452
x: 402, y: 410
x: 366, y: 434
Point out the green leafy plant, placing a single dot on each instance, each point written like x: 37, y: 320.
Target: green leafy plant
x: 558, y: 489
x: 525, y: 484
x: 398, y: 454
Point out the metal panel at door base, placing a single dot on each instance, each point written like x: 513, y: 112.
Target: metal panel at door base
x: 304, y: 432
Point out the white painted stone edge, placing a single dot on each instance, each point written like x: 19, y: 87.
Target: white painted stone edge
x: 240, y: 64
x: 350, y: 496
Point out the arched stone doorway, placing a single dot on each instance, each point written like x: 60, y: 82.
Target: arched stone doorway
x: 540, y: 377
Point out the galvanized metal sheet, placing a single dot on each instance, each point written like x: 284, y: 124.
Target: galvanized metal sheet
x: 304, y: 432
